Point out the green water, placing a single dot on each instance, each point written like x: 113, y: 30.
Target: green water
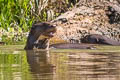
x: 61, y: 64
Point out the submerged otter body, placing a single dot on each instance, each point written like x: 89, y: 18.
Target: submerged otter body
x: 71, y: 46
x: 99, y: 39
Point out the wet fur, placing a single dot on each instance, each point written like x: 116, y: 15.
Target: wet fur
x: 34, y: 40
x: 71, y: 46
x: 99, y: 39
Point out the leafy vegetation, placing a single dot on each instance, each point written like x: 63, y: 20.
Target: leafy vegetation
x: 17, y: 16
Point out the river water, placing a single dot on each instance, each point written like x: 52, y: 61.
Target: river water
x: 60, y: 64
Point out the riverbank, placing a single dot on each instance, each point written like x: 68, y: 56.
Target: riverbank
x: 12, y: 37
x: 95, y: 17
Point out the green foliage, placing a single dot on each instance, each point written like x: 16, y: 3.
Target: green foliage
x: 15, y: 13
x: 17, y: 16
x: 15, y: 19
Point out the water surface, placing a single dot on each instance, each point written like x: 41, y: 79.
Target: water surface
x: 61, y: 64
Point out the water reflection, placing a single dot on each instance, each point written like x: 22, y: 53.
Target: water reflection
x: 40, y: 65
x: 74, y: 66
x: 94, y: 66
x: 13, y: 65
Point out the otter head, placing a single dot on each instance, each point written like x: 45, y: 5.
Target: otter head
x: 39, y: 36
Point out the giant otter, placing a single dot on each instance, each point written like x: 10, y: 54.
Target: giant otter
x: 40, y: 35
x: 99, y: 39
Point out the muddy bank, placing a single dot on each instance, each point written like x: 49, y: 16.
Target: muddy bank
x: 89, y: 17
